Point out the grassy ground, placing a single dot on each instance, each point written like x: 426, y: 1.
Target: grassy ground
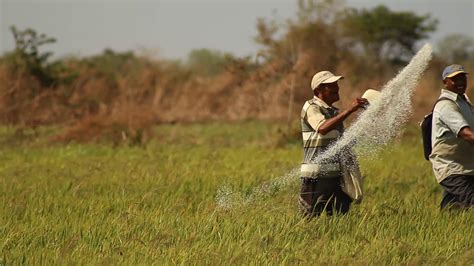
x: 98, y: 204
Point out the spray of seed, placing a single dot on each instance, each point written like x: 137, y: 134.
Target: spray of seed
x: 371, y: 131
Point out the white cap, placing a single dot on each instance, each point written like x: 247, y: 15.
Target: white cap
x: 323, y: 77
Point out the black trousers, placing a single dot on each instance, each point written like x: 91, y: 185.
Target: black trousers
x: 323, y: 194
x: 458, y: 191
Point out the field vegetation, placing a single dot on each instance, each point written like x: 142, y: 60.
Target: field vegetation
x: 99, y: 204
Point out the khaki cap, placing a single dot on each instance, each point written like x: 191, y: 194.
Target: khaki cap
x: 323, y: 77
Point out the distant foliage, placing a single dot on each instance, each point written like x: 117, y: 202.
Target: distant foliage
x: 456, y: 48
x: 208, y: 62
x: 386, y: 34
x: 312, y: 34
x: 121, y: 95
x: 27, y: 56
x: 112, y: 64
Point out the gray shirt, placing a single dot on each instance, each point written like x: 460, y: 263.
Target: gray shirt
x: 451, y: 154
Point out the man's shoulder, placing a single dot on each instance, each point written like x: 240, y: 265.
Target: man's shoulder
x: 310, y: 108
x: 317, y: 103
x: 445, y: 105
x: 311, y: 103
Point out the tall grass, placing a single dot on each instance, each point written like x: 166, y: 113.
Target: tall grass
x: 96, y: 204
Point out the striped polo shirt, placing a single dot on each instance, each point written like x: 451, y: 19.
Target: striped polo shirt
x: 313, y: 115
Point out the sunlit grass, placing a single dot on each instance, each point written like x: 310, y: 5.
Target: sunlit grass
x: 85, y: 204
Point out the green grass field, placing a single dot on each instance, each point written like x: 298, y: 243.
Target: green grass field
x: 99, y: 204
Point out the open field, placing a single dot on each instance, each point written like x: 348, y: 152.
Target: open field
x: 99, y: 204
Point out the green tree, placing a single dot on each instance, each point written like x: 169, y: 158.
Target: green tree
x: 314, y: 28
x: 456, y: 48
x: 112, y: 64
x: 386, y: 35
x: 27, y: 55
x: 208, y: 62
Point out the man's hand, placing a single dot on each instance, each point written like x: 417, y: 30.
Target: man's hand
x: 358, y: 103
x: 332, y: 123
x: 467, y: 134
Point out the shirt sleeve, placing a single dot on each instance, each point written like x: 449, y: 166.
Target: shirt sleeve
x: 451, y: 117
x: 314, y: 117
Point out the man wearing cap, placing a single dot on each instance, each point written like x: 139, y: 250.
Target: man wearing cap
x: 452, y: 140
x: 322, y: 125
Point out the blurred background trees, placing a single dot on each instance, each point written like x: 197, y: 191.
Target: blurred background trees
x: 208, y: 62
x: 387, y: 35
x: 28, y: 57
x: 456, y: 48
x: 121, y: 95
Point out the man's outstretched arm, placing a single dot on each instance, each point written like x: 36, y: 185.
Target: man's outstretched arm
x: 332, y: 123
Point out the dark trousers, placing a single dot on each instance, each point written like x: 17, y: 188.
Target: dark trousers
x: 458, y: 191
x: 324, y: 194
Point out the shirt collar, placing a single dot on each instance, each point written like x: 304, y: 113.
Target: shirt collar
x: 450, y: 95
x: 322, y: 103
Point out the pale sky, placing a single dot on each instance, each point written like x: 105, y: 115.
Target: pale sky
x: 171, y: 29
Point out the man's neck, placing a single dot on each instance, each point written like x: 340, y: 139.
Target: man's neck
x: 460, y: 93
x: 324, y: 100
